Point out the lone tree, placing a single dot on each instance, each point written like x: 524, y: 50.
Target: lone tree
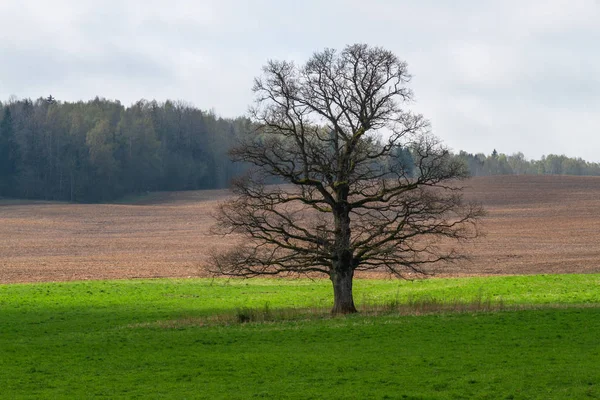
x: 331, y: 190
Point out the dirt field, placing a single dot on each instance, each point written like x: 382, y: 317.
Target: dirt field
x: 535, y: 224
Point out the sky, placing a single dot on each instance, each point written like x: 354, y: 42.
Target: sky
x: 489, y: 74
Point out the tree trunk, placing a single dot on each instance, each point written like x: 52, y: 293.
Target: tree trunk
x: 343, y: 269
x: 343, y: 301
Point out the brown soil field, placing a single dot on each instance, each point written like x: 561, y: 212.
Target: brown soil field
x: 534, y: 224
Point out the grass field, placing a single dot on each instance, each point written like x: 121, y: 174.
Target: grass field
x: 157, y: 339
x: 70, y: 334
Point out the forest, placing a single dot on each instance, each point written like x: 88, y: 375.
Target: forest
x: 100, y: 150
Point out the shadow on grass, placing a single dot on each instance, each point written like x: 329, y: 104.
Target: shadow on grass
x: 414, y: 307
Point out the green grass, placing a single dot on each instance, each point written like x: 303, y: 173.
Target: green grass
x: 113, y: 339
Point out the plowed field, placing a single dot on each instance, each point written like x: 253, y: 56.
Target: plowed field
x: 535, y: 224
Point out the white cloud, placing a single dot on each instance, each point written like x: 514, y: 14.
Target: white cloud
x: 516, y: 75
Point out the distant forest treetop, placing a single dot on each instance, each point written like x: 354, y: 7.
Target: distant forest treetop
x: 516, y: 164
x: 100, y: 150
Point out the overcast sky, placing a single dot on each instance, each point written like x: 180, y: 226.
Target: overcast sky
x: 520, y: 75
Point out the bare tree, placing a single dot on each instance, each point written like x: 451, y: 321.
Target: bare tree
x: 331, y: 190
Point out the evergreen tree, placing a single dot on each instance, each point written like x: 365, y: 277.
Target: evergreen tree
x: 8, y: 155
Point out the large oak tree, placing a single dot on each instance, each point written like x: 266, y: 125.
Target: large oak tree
x: 331, y: 190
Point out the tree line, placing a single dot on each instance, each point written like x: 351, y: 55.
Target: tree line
x: 100, y: 150
x: 516, y: 164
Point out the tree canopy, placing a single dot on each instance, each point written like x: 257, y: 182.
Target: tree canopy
x: 334, y: 132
